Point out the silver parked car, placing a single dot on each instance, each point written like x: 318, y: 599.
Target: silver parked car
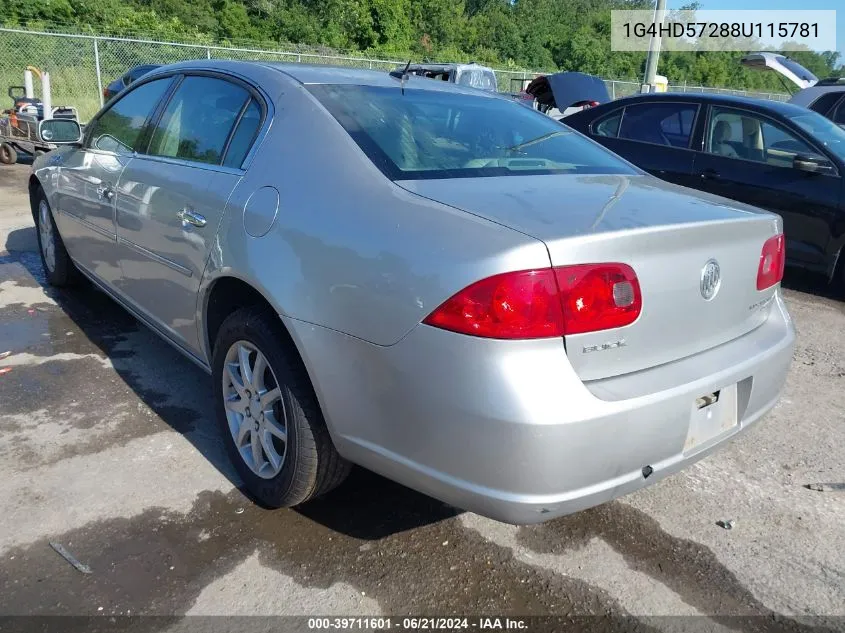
x: 430, y: 281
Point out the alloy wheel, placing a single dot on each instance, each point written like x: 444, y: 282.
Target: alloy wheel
x: 45, y: 229
x: 254, y: 409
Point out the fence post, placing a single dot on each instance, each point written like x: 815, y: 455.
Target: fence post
x: 99, y: 74
x: 371, y: 64
x: 208, y: 53
x: 613, y: 90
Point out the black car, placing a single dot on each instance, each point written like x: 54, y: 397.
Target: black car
x: 776, y: 156
x: 128, y: 77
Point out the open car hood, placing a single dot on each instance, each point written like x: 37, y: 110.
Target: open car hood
x: 564, y: 90
x: 784, y: 66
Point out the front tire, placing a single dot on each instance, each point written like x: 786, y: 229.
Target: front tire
x: 58, y: 267
x: 268, y: 413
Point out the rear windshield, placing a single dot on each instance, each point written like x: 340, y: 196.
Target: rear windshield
x: 797, y: 69
x: 477, y: 78
x: 425, y: 134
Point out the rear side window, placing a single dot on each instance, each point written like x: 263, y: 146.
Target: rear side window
x: 244, y: 135
x: 660, y: 123
x: 423, y: 134
x: 824, y: 103
x: 198, y: 120
x: 838, y: 115
x: 609, y: 126
x: 119, y: 128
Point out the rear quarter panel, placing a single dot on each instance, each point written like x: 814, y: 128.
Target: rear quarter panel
x: 348, y: 249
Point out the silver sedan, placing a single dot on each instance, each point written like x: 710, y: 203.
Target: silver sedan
x: 433, y: 282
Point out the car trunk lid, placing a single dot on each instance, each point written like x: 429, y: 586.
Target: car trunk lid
x: 666, y: 233
x: 787, y: 68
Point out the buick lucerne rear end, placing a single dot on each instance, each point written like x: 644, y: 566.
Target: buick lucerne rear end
x: 465, y: 296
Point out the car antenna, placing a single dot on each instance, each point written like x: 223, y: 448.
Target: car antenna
x: 404, y: 77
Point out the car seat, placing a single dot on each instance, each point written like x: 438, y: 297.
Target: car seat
x: 720, y: 143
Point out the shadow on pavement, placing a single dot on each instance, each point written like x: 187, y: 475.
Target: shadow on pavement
x: 366, y: 506
x: 812, y: 283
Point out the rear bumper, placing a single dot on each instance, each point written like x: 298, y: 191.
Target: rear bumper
x: 506, y: 429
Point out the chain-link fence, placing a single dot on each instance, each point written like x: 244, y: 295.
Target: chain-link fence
x: 80, y: 66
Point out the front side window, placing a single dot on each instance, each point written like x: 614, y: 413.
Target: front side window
x: 119, y: 128
x: 823, y: 130
x: 198, y: 119
x: 740, y: 134
x: 432, y: 134
x: 659, y: 123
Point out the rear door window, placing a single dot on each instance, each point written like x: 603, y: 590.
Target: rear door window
x: 838, y: 115
x: 659, y: 123
x: 119, y: 128
x: 244, y: 135
x: 198, y: 120
x: 826, y: 102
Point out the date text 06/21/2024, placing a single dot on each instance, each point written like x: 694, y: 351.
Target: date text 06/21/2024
x: 421, y: 623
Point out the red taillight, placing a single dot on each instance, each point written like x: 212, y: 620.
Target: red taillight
x: 544, y: 303
x: 512, y: 305
x: 772, y: 262
x: 598, y: 296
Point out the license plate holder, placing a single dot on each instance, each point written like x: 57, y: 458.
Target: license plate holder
x: 711, y: 415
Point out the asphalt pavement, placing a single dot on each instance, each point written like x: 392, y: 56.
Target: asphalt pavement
x: 108, y: 448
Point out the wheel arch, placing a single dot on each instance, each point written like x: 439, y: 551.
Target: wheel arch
x: 221, y: 297
x: 34, y: 186
x: 227, y: 293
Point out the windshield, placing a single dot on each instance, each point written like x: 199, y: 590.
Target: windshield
x: 438, y: 134
x: 823, y: 130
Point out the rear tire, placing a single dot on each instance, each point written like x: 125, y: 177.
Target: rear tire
x: 58, y: 267
x: 271, y: 400
x: 8, y: 155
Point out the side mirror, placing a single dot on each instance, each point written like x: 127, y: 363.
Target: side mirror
x: 813, y: 164
x: 60, y: 131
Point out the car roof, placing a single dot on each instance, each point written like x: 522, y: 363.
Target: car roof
x: 311, y: 74
x: 781, y: 107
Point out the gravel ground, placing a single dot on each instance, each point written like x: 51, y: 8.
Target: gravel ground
x: 107, y: 446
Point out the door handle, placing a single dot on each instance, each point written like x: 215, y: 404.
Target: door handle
x: 710, y: 174
x: 192, y: 218
x: 105, y: 191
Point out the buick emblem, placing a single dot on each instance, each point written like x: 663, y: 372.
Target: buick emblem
x: 711, y: 279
